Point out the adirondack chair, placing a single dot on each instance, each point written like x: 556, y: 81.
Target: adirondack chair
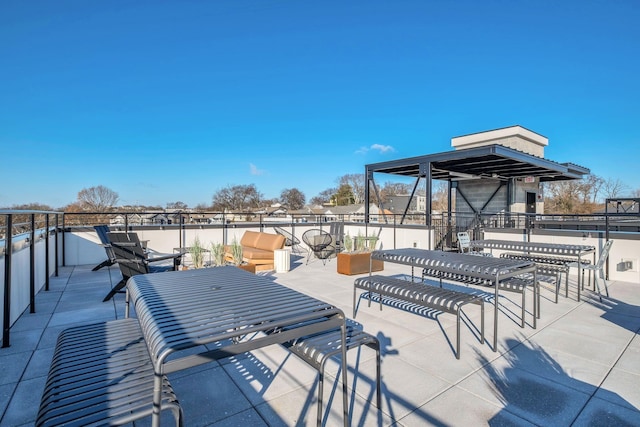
x: 101, y: 231
x: 133, y: 259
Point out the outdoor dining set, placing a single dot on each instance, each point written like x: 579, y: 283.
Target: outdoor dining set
x: 176, y: 320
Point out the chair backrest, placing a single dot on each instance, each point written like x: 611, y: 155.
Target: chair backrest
x: 336, y: 229
x: 316, y: 239
x: 129, y: 254
x: 464, y: 241
x: 290, y: 239
x: 102, y: 231
x: 604, y: 253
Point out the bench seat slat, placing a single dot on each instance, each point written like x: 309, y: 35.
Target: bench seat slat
x: 101, y: 374
x: 433, y: 297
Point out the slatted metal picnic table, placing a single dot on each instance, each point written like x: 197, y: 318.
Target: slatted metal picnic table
x: 181, y: 310
x: 493, y: 270
x: 572, y: 253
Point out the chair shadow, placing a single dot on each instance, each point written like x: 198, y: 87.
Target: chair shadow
x: 535, y: 387
x: 618, y: 312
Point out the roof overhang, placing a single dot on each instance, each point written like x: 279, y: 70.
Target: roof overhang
x: 491, y: 161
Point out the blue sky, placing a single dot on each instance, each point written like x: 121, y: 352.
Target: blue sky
x: 166, y: 101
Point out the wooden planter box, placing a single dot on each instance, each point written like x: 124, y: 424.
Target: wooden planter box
x: 251, y: 268
x: 357, y: 263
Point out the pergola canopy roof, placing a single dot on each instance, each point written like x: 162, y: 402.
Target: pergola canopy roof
x: 491, y: 161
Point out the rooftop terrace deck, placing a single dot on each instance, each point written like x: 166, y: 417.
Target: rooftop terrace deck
x: 581, y: 366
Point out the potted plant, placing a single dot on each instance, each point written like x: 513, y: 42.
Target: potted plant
x: 356, y: 257
x: 237, y: 259
x: 217, y: 254
x: 197, y: 251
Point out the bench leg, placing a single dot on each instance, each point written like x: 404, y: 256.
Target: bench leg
x: 558, y: 281
x: 537, y: 295
x: 458, y: 321
x: 375, y: 346
x: 458, y: 334
x: 373, y: 343
x: 522, y: 319
x: 536, y: 300
x: 354, y: 302
x: 320, y: 393
x: 481, y: 321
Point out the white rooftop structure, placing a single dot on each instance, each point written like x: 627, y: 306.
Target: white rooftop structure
x: 515, y: 137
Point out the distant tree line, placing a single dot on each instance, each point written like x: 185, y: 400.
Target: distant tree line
x: 582, y: 196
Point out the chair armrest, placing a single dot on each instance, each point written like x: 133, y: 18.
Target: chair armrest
x: 124, y: 244
x: 165, y: 257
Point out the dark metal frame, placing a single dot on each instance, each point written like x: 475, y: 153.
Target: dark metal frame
x: 491, y: 161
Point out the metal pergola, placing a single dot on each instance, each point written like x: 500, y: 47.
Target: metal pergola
x: 490, y: 161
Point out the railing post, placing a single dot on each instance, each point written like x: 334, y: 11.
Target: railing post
x: 32, y: 265
x: 55, y: 241
x: 606, y: 239
x: 64, y: 251
x: 395, y: 231
x: 180, y: 231
x: 8, y: 248
x: 46, y: 252
x: 224, y: 228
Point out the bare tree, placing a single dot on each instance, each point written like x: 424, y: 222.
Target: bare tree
x: 592, y: 185
x: 357, y: 183
x: 572, y: 197
x: 325, y: 196
x: 237, y: 198
x: 293, y: 198
x: 177, y: 205
x: 439, y: 197
x: 613, y: 188
x: 390, y: 189
x: 31, y: 207
x: 97, y: 199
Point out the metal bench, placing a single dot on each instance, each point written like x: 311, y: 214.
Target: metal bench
x: 101, y: 374
x: 441, y: 299
x: 549, y: 265
x: 317, y: 349
x: 513, y: 284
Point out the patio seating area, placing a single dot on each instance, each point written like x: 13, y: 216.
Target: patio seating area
x: 580, y: 366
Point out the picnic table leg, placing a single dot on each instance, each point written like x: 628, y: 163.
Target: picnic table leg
x: 345, y: 397
x: 536, y: 300
x: 579, y: 271
x: 157, y: 399
x: 495, y: 317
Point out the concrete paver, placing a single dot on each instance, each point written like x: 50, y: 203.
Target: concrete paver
x: 581, y: 366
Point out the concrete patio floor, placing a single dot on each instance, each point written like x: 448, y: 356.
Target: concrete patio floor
x: 581, y: 366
